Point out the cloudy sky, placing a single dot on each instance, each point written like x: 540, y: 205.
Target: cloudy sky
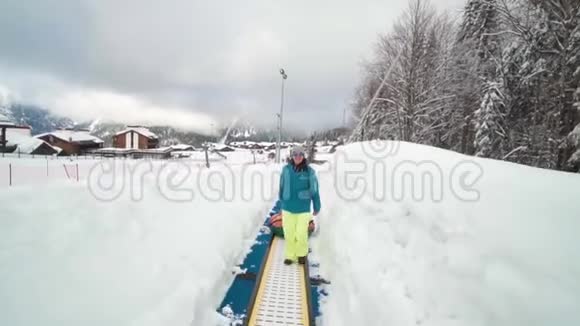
x: 191, y: 63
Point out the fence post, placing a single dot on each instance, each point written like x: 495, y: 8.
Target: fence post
x: 10, y: 173
x: 206, y: 158
x: 66, y: 171
x: 77, y: 172
x: 18, y: 152
x: 47, y: 166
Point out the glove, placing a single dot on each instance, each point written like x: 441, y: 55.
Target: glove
x: 316, y: 225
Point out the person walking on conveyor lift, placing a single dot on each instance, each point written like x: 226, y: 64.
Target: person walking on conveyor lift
x: 298, y: 189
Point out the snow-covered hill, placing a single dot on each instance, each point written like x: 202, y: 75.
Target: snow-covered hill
x: 490, y: 243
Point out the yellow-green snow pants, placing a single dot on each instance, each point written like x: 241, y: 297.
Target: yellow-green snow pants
x: 296, y: 234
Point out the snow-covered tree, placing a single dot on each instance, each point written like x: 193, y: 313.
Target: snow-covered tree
x: 574, y: 138
x: 478, y: 58
x: 406, y: 91
x: 501, y: 84
x: 489, y: 122
x: 540, y: 81
x: 480, y: 27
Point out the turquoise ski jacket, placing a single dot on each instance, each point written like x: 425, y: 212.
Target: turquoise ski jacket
x: 298, y: 189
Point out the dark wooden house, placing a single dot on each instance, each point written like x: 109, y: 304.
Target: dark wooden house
x: 72, y: 142
x: 136, y: 137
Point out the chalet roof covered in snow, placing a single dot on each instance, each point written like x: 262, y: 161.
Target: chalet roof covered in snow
x: 222, y: 148
x: 73, y: 136
x: 140, y: 130
x: 29, y: 145
x: 132, y: 150
x: 182, y: 147
x: 266, y: 144
x: 243, y: 143
x: 4, y: 121
x: 26, y: 144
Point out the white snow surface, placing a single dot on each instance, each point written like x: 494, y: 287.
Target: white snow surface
x: 67, y: 258
x: 507, y: 257
x: 4, y: 119
x: 27, y: 170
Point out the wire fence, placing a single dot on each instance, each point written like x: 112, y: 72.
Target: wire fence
x: 40, y: 171
x: 26, y: 169
x: 17, y: 169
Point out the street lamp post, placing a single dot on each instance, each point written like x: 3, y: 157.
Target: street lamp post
x: 280, y: 117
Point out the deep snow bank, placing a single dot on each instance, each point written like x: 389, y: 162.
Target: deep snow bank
x: 67, y: 258
x: 491, y: 243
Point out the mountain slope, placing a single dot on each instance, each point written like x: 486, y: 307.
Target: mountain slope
x: 39, y: 119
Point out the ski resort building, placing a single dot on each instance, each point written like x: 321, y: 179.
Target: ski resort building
x: 15, y: 138
x: 222, y: 148
x: 253, y: 145
x: 35, y: 146
x: 72, y: 142
x: 267, y: 145
x: 182, y: 147
x: 8, y: 132
x: 136, y: 137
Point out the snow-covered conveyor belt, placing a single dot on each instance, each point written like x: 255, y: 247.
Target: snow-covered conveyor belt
x: 282, y: 294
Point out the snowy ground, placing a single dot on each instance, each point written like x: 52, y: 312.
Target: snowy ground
x: 239, y: 156
x: 491, y: 244
x: 67, y: 258
x: 509, y: 257
x: 31, y: 170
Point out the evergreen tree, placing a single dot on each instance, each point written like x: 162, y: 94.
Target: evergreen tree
x: 478, y: 37
x: 489, y: 130
x: 480, y: 26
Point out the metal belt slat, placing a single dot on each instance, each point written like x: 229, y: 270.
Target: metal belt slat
x: 282, y: 293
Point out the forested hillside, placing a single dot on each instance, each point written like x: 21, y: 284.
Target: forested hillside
x: 501, y: 82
